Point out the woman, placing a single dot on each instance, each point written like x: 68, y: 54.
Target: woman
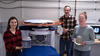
x: 83, y: 37
x: 12, y: 38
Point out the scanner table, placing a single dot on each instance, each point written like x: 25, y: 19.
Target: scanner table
x: 40, y: 51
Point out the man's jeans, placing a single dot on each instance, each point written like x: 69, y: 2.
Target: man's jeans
x: 67, y: 45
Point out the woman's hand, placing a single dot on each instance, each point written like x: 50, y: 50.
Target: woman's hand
x: 83, y: 43
x: 19, y: 47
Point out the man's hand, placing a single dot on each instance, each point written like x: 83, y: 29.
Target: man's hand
x: 65, y: 30
x: 74, y: 40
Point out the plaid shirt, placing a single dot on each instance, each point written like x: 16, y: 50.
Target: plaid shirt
x: 12, y: 40
x: 68, y: 23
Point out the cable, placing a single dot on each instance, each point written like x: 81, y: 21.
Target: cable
x: 6, y: 2
x: 59, y: 8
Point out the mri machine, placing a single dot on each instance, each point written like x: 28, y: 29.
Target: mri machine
x: 38, y: 37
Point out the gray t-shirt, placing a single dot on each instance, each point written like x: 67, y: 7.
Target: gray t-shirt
x: 2, y: 47
x: 87, y: 35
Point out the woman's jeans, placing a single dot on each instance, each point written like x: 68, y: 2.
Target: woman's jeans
x: 13, y: 53
x: 81, y: 53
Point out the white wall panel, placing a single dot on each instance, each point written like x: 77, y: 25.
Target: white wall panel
x: 98, y: 5
x: 9, y: 5
x: 80, y: 0
x: 8, y: 9
x: 39, y: 10
x: 39, y: 4
x: 7, y: 13
x: 51, y: 14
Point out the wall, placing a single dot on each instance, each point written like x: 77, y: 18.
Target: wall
x: 45, y: 9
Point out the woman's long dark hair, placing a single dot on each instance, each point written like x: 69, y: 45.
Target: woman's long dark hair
x: 11, y: 18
